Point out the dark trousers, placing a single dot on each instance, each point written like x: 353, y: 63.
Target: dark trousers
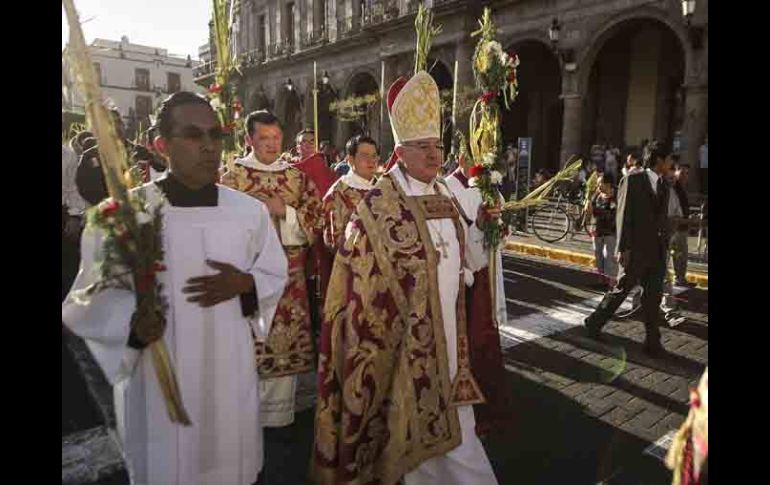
x: 649, y: 274
x: 70, y: 255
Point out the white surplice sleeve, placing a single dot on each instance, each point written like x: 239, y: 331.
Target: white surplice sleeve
x: 291, y: 230
x: 102, y: 319
x: 270, y: 272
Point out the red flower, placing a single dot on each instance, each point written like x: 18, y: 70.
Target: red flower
x: 487, y: 97
x: 110, y: 207
x: 215, y: 88
x: 476, y: 171
x: 694, y: 398
x: 237, y: 107
x: 228, y: 129
x: 512, y: 54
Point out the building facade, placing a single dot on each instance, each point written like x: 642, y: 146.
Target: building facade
x: 622, y: 71
x: 134, y: 79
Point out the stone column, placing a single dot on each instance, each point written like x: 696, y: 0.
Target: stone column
x: 694, y: 131
x: 571, y: 126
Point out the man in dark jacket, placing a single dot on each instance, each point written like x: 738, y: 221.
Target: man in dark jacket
x: 89, y: 178
x: 643, y: 236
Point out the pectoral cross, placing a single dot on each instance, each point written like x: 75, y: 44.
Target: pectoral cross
x: 443, y: 245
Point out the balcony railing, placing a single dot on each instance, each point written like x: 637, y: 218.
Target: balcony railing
x: 375, y: 13
x: 314, y: 38
x: 276, y: 50
x: 252, y: 58
x: 345, y: 27
x: 204, y: 69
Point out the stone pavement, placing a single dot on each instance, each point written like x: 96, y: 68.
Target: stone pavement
x: 584, y: 411
x: 588, y: 410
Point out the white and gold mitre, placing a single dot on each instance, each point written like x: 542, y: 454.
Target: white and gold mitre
x: 416, y: 110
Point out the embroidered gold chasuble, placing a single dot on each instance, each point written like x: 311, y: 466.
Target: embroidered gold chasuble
x: 385, y: 399
x: 338, y: 205
x: 288, y: 349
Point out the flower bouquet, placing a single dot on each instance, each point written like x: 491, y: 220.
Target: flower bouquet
x: 495, y: 74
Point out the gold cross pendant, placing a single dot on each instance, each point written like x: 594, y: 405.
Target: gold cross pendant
x: 444, y: 246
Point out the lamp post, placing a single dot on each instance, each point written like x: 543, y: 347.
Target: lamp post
x: 695, y: 33
x: 566, y: 56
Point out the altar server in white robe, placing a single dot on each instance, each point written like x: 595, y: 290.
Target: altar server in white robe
x: 225, y: 272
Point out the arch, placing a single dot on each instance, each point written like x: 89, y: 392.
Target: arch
x: 631, y: 80
x: 362, y: 82
x: 538, y: 110
x: 615, y: 24
x: 289, y: 111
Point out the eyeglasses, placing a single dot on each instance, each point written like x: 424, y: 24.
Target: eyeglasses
x: 425, y: 147
x: 193, y: 133
x: 365, y: 156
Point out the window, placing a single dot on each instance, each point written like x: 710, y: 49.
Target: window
x: 290, y: 23
x: 322, y: 20
x: 173, y: 82
x: 262, y: 34
x: 143, y: 108
x: 142, y: 79
x: 98, y: 69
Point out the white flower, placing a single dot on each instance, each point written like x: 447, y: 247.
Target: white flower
x: 495, y: 47
x: 473, y: 181
x: 215, y: 103
x: 504, y: 58
x: 143, y: 218
x: 488, y: 159
x: 496, y: 177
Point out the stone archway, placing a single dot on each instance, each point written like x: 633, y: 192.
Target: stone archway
x: 289, y: 111
x: 537, y: 111
x: 633, y: 86
x: 368, y: 123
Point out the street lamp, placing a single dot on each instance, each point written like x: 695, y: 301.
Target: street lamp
x: 695, y: 33
x: 325, y: 79
x: 567, y: 56
x: 554, y: 31
x: 289, y: 85
x: 688, y: 9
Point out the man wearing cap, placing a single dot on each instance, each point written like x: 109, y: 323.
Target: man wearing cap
x: 395, y: 386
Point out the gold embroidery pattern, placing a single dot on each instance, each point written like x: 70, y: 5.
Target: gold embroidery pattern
x: 288, y: 349
x: 385, y: 400
x: 416, y: 110
x: 338, y: 205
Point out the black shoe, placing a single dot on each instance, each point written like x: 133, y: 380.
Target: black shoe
x: 592, y: 331
x: 656, y: 350
x: 685, y: 284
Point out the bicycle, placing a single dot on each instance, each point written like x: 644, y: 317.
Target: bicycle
x: 563, y: 214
